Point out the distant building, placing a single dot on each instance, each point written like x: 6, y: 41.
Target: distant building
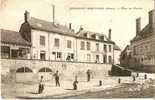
x: 143, y: 44
x: 140, y: 54
x: 117, y: 54
x: 125, y: 56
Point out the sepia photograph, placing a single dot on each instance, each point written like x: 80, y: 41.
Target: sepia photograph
x: 77, y: 49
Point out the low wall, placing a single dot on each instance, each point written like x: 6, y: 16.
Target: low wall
x: 67, y: 70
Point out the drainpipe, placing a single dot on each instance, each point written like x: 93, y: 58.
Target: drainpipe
x: 76, y: 49
x: 48, y: 47
x: 113, y: 54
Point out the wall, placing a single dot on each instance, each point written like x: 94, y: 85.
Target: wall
x: 67, y: 70
x: 36, y: 47
x: 62, y: 46
x: 49, y: 45
x: 145, y: 50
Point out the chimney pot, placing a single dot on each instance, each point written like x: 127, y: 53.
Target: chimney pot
x: 70, y: 26
x: 109, y: 34
x: 152, y: 19
x: 26, y: 15
x: 138, y: 25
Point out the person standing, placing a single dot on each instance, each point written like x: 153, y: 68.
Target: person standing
x: 88, y: 75
x: 56, y: 75
x: 75, y: 83
x: 41, y: 85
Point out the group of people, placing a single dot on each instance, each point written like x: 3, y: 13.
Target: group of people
x: 41, y: 85
x: 57, y: 83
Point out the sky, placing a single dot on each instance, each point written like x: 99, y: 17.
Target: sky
x: 93, y: 15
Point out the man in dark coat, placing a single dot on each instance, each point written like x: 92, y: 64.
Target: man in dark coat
x: 41, y: 85
x: 88, y: 75
x: 56, y: 75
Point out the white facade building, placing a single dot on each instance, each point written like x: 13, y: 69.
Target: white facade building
x: 94, y: 47
x: 51, y: 41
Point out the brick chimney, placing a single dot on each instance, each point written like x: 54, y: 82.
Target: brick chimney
x: 109, y: 34
x: 70, y: 26
x: 26, y: 15
x: 152, y: 18
x: 138, y: 25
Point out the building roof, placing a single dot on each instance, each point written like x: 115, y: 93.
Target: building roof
x: 43, y: 25
x: 144, y: 33
x: 13, y: 37
x: 116, y: 47
x: 82, y: 33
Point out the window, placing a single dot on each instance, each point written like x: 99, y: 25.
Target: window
x: 42, y: 55
x: 88, y: 45
x: 42, y: 40
x: 45, y: 69
x: 82, y: 45
x: 23, y: 70
x: 104, y: 59
x: 5, y: 52
x: 97, y: 46
x: 97, y: 58
x: 109, y: 48
x: 72, y: 56
x: 105, y: 48
x: 14, y: 53
x: 88, y: 57
x: 134, y: 50
x: 59, y: 55
x: 110, y: 59
x: 69, y: 44
x: 57, y: 42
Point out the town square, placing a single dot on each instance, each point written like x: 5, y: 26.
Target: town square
x: 77, y: 49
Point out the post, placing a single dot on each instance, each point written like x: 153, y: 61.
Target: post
x: 145, y: 76
x: 119, y: 80
x: 100, y: 83
x: 53, y: 6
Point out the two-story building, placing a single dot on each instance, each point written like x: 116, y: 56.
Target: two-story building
x: 143, y: 44
x: 51, y: 41
x: 57, y: 46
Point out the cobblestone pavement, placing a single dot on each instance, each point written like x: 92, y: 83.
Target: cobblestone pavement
x: 29, y: 90
x: 124, y: 91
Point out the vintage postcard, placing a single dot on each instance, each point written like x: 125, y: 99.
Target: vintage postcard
x: 77, y: 49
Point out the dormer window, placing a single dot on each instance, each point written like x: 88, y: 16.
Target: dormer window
x: 94, y: 36
x: 97, y: 37
x: 102, y: 38
x: 86, y: 35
